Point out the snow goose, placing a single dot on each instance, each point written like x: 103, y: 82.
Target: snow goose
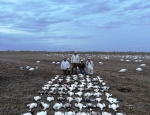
x: 106, y: 113
x: 42, y: 113
x: 80, y: 106
x: 36, y: 98
x: 67, y: 105
x: 59, y: 113
x: 70, y: 113
x: 98, y: 99
x: 70, y: 93
x: 45, y: 105
x: 101, y: 105
x: 113, y: 106
x: 37, y: 61
x: 31, y: 69
x: 29, y: 113
x: 123, y: 70
x: 49, y: 99
x: 79, y: 93
x: 97, y: 94
x: 57, y: 106
x: 113, y: 100
x: 107, y: 94
x: 32, y: 105
x: 142, y: 65
x: 70, y: 99
x: 138, y: 69
x: 78, y: 99
x: 100, y: 63
x: 120, y: 114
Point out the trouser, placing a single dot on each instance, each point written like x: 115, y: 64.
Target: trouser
x: 66, y: 72
x: 74, y: 66
x: 82, y: 71
x: 90, y: 71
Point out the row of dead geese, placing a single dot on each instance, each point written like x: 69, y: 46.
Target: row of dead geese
x: 76, y: 91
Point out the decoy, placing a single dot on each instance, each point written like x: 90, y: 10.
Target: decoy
x: 57, y: 106
x: 36, y: 98
x: 49, y: 99
x: 101, y: 105
x: 113, y: 106
x: 32, y: 105
x: 45, y: 105
x: 42, y: 113
x: 59, y: 113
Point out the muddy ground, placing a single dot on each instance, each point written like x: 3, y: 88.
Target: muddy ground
x: 18, y: 87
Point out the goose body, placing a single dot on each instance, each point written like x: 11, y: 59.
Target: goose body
x: 32, y: 105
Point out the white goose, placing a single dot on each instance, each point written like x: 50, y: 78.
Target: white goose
x: 79, y: 93
x: 42, y: 113
x: 32, y: 105
x: 70, y: 113
x: 49, y: 99
x: 107, y: 94
x: 57, y: 106
x: 36, y: 98
x: 80, y: 106
x: 101, y: 105
x: 78, y: 99
x: 113, y: 106
x: 70, y: 99
x: 45, y: 105
x: 30, y: 113
x: 123, y: 70
x: 59, y: 113
x: 139, y: 69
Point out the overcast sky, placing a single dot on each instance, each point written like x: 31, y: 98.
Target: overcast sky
x: 75, y: 25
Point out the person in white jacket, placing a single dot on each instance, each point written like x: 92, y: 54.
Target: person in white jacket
x: 75, y: 59
x: 89, y: 66
x: 65, y: 65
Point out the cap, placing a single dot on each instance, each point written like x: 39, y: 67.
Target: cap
x: 88, y: 58
x: 81, y: 60
x: 75, y: 52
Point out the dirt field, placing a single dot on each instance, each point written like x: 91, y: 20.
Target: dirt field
x: 18, y: 87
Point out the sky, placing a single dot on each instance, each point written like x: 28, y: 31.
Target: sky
x: 75, y: 25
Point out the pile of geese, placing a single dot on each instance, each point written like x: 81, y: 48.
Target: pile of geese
x: 75, y: 95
